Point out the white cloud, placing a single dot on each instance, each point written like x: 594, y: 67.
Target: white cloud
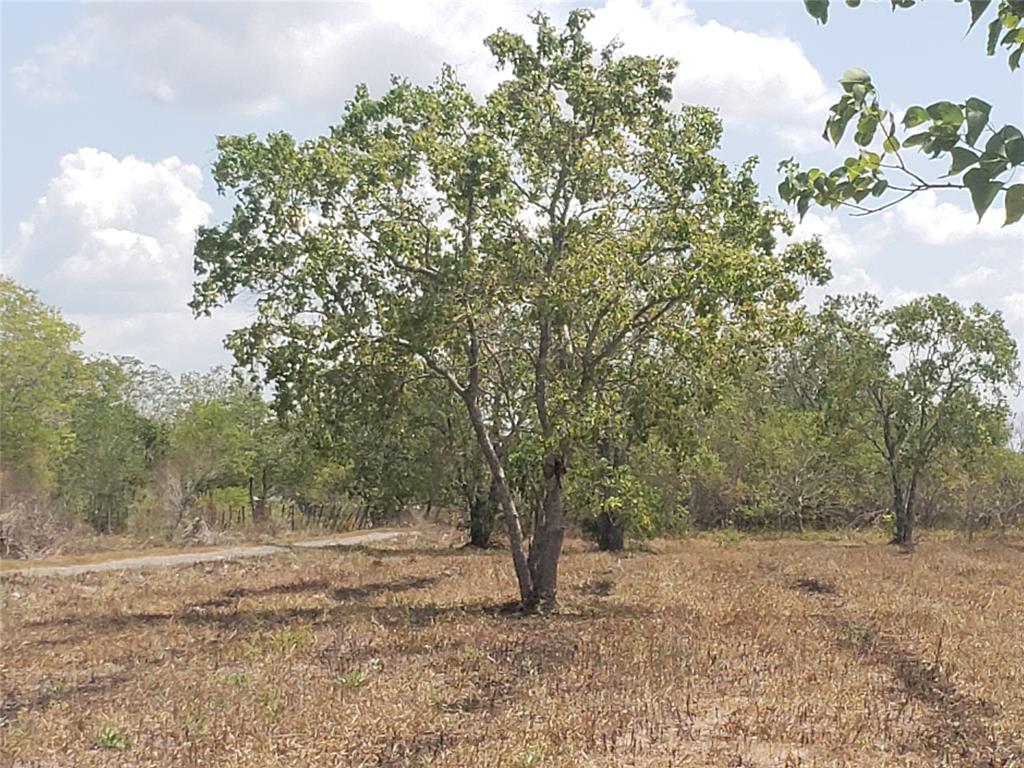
x: 1013, y: 306
x: 839, y: 245
x: 265, y: 57
x: 972, y: 278
x: 759, y: 81
x: 44, y: 77
x: 901, y: 295
x: 940, y: 223
x: 259, y: 58
x: 111, y: 244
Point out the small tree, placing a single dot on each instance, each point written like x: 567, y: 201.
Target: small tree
x: 916, y: 379
x: 518, y: 250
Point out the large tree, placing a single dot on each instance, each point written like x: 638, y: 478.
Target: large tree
x: 518, y: 249
x: 40, y: 371
x: 916, y: 380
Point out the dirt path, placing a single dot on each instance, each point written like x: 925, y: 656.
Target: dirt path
x: 189, y: 558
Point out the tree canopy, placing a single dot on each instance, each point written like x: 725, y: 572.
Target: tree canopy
x: 39, y: 368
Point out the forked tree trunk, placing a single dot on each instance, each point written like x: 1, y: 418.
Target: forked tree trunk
x: 903, y: 509
x: 504, y: 497
x: 548, y: 534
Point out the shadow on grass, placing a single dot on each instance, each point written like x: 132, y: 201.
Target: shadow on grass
x: 221, y: 613
x: 814, y: 586
x: 350, y: 602
x: 343, y: 594
x: 13, y: 705
x: 293, y: 588
x: 956, y: 725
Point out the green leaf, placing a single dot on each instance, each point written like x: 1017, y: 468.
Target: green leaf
x: 870, y: 159
x: 946, y: 112
x: 995, y: 143
x: 962, y: 159
x: 915, y: 116
x: 1012, y: 37
x: 983, y: 190
x: 818, y: 9
x: 854, y: 76
x: 853, y: 3
x: 1010, y: 132
x: 977, y: 118
x: 836, y: 126
x: 993, y: 165
x: 1014, y: 150
x: 1014, y: 204
x: 994, y: 28
x: 1014, y: 60
x: 978, y: 8
x: 917, y: 140
x: 866, y: 127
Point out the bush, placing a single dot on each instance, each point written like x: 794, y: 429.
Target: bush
x: 29, y: 528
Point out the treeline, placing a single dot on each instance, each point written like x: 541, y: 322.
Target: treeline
x: 861, y: 416
x: 120, y: 446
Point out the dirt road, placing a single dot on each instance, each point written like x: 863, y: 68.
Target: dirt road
x: 189, y: 558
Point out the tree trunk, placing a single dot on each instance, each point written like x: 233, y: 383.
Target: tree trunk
x: 548, y: 534
x: 252, y: 499
x: 608, y: 533
x: 504, y: 496
x: 263, y: 503
x: 482, y: 511
x: 607, y: 530
x: 903, y: 509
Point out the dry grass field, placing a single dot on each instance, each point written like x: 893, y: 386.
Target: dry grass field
x: 702, y: 653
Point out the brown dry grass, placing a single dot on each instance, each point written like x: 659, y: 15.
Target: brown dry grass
x: 782, y: 653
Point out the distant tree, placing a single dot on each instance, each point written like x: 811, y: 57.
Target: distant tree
x: 643, y: 433
x: 395, y: 433
x: 915, y: 380
x: 213, y: 444
x: 982, y: 489
x: 517, y: 249
x: 113, y: 450
x: 40, y: 370
x: 767, y: 464
x: 982, y: 158
x: 152, y: 391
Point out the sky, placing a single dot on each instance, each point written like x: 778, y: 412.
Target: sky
x: 110, y: 113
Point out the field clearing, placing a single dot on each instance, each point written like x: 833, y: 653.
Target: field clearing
x: 703, y: 653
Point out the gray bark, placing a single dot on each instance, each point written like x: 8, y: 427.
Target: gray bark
x: 548, y: 535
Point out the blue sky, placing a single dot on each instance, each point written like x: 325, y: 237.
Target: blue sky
x: 110, y: 112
